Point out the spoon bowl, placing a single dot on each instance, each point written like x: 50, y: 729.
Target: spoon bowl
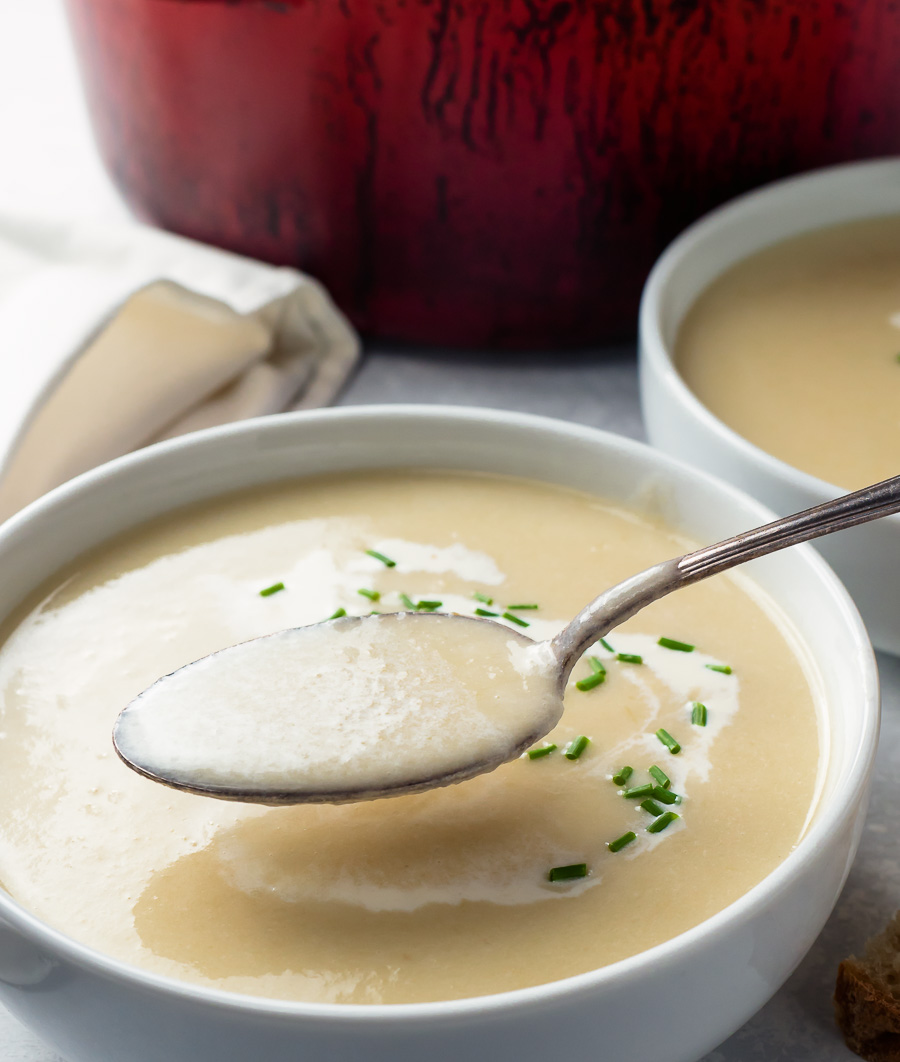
x: 349, y: 709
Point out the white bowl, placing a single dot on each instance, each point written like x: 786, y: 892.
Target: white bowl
x: 866, y: 558
x: 672, y: 1003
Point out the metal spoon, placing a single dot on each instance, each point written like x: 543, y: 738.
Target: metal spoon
x: 534, y: 716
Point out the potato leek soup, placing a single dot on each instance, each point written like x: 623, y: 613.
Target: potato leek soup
x: 683, y: 770
x: 797, y: 348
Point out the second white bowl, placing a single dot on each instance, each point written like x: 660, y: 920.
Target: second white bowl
x: 866, y: 558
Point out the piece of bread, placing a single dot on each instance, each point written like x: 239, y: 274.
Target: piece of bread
x: 867, y: 998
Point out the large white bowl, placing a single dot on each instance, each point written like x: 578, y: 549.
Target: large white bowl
x: 866, y: 558
x: 672, y: 1003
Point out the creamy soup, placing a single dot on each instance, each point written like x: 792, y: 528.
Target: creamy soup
x: 556, y: 863
x: 797, y: 348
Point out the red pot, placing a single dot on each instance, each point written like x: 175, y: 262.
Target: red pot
x: 476, y: 171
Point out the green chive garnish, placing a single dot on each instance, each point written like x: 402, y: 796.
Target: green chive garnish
x: 660, y: 776
x: 606, y: 645
x: 665, y: 795
x: 519, y: 608
x: 515, y: 619
x: 620, y: 842
x: 639, y: 791
x: 407, y: 602
x: 666, y: 738
x: 698, y: 714
x: 484, y: 599
x: 596, y: 678
x: 273, y: 589
x: 544, y: 750
x: 484, y: 612
x: 338, y: 613
x: 569, y: 873
x: 596, y: 666
x: 723, y: 669
x: 372, y: 595
x: 651, y: 806
x: 658, y: 825
x: 629, y: 658
x: 386, y: 561
x: 621, y: 776
x: 671, y: 643
x: 575, y: 747
x: 428, y: 606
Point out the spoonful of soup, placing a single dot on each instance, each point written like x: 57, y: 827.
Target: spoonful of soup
x: 356, y: 708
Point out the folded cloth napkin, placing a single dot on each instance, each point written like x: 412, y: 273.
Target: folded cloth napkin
x: 113, y: 337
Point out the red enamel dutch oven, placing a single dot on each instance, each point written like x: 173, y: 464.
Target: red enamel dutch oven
x: 474, y: 172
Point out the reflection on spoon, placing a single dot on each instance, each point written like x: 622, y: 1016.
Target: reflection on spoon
x: 358, y: 708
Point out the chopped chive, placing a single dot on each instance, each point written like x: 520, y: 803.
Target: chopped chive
x: 484, y: 612
x: 666, y: 738
x: 665, y: 795
x: 597, y: 676
x: 375, y: 612
x: 273, y: 589
x: 372, y: 595
x: 338, y: 613
x: 698, y: 714
x: 520, y: 608
x: 606, y: 645
x: 407, y: 602
x: 619, y: 843
x: 723, y: 669
x: 622, y: 775
x: 658, y: 825
x: 652, y: 807
x: 544, y: 750
x: 568, y: 873
x: 421, y: 605
x: 484, y: 599
x: 594, y: 679
x: 575, y: 747
x: 386, y: 561
x: 671, y: 643
x: 641, y: 791
x: 660, y: 776
x: 629, y: 658
x: 515, y: 619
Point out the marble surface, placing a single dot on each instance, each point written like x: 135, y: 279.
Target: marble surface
x: 48, y: 160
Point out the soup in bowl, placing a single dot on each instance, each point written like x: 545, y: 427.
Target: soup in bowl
x: 679, y: 838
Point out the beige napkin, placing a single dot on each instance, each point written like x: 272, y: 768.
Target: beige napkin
x: 112, y: 337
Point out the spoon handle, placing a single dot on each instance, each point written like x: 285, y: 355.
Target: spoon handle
x: 622, y: 601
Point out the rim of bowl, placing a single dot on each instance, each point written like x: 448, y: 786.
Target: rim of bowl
x: 859, y: 649
x: 654, y: 349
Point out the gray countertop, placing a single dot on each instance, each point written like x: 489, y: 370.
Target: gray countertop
x: 42, y: 121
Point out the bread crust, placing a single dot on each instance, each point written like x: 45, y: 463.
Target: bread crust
x: 867, y: 1015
